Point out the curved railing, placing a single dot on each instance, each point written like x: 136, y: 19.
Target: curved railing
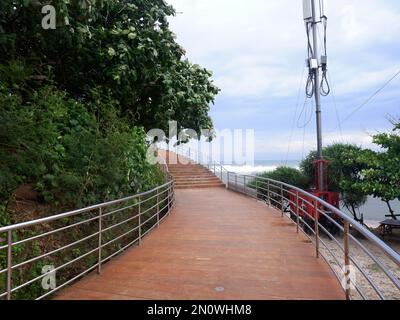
x: 82, y: 239
x: 366, y: 267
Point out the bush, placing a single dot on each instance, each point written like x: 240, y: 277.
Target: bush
x: 55, y: 144
x: 288, y: 175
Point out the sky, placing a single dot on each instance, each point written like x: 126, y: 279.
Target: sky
x: 256, y: 50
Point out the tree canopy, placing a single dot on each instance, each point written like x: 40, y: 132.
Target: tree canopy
x: 380, y: 177
x: 122, y: 47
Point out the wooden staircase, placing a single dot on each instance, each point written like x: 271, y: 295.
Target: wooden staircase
x: 191, y: 175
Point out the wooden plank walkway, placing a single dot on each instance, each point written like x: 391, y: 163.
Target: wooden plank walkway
x: 217, y: 244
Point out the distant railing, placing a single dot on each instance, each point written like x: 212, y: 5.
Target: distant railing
x: 353, y: 261
x: 104, y: 230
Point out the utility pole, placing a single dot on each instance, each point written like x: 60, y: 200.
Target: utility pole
x: 313, y: 15
x: 317, y: 95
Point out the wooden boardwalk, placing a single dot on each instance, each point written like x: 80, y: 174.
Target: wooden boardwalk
x: 217, y: 244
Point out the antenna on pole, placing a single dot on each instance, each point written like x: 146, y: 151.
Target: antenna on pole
x: 314, y: 14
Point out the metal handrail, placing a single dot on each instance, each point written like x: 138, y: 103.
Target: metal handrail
x: 277, y: 189
x: 274, y: 193
x: 160, y: 201
x: 278, y: 200
x: 195, y: 155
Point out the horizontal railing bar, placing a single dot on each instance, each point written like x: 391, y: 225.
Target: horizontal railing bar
x: 148, y: 231
x: 393, y: 255
x: 377, y: 261
x: 149, y: 209
x: 54, y: 231
x: 55, y: 270
x: 75, y: 212
x: 119, y: 237
x: 68, y: 282
x: 331, y: 236
x: 337, y: 262
x: 258, y: 187
x: 54, y: 251
x: 152, y: 217
x: 341, y: 269
x: 120, y: 250
x: 167, y: 205
x: 107, y: 214
x: 367, y: 277
x: 120, y: 223
x: 331, y: 220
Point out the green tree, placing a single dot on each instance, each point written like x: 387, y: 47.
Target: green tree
x: 287, y: 175
x: 343, y: 170
x: 121, y: 47
x: 381, y: 176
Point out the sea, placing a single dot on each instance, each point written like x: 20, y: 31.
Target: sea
x: 374, y: 210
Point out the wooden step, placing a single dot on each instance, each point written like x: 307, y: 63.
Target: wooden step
x: 192, y: 175
x: 210, y: 178
x: 199, y: 185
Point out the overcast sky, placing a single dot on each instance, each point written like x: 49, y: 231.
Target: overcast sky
x: 257, y: 48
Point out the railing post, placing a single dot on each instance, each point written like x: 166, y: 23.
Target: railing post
x: 256, y: 189
x: 140, y: 220
x: 100, y: 243
x: 297, y: 212
x: 9, y: 265
x: 244, y: 184
x: 282, y: 201
x: 222, y: 178
x: 347, y: 258
x: 172, y: 191
x: 214, y: 168
x: 158, y: 209
x: 316, y: 228
x: 236, y: 184
x: 268, y: 195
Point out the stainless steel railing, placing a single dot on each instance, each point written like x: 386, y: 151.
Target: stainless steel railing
x: 365, y: 266
x: 367, y: 269
x: 105, y: 231
x: 206, y: 160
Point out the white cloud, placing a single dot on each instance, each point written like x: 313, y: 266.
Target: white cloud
x: 257, y: 47
x: 275, y: 144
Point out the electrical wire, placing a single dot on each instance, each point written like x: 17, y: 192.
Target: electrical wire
x: 336, y: 108
x: 311, y: 74
x: 362, y: 105
x: 310, y: 84
x: 304, y: 111
x: 324, y: 86
x: 295, y: 115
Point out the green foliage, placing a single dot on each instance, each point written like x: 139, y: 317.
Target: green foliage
x: 57, y: 144
x: 287, y: 175
x: 343, y: 170
x: 123, y: 47
x: 75, y: 103
x: 380, y: 177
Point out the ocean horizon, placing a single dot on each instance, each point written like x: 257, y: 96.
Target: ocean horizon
x: 260, y: 166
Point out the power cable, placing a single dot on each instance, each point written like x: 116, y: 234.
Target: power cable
x: 295, y: 115
x: 362, y: 105
x: 336, y: 108
x: 304, y: 111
